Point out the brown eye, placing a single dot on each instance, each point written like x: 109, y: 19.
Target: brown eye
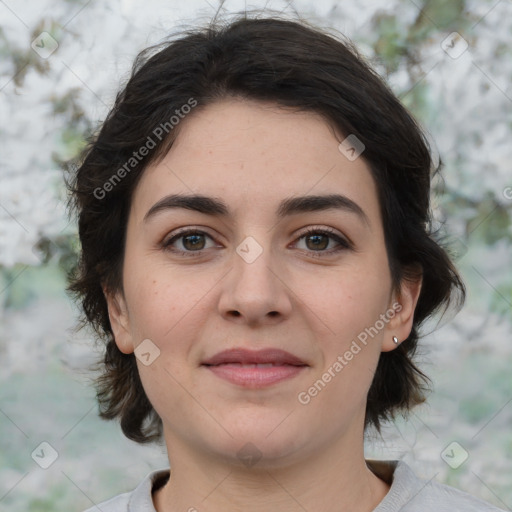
x: 318, y: 240
x: 193, y: 242
x: 190, y: 241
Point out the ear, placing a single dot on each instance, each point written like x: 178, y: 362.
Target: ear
x: 403, y: 304
x: 119, y: 321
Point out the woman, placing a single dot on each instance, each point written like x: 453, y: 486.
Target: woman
x: 254, y: 219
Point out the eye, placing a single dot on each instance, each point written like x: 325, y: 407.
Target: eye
x: 318, y: 239
x: 191, y: 240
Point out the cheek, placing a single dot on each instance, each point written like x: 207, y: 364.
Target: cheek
x: 350, y: 307
x: 166, y: 306
x: 165, y: 311
x: 350, y: 300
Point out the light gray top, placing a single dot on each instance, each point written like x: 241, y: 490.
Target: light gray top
x: 408, y: 493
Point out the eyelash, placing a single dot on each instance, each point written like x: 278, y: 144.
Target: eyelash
x: 344, y: 244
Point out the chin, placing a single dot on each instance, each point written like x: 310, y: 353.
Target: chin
x: 261, y: 443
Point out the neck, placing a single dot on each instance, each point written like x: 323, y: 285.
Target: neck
x: 330, y: 480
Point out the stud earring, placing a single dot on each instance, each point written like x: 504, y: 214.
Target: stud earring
x: 395, y: 340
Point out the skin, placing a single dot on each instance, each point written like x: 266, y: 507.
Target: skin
x: 293, y: 296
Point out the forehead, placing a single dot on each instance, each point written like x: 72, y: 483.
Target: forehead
x: 254, y: 154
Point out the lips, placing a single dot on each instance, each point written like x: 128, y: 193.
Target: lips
x: 255, y: 369
x: 267, y: 357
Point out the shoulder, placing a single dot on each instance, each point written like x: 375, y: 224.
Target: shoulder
x: 117, y: 504
x: 409, y: 493
x: 138, y: 499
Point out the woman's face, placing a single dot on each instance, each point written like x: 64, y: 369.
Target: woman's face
x: 264, y: 271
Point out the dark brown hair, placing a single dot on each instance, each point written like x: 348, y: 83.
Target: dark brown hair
x: 292, y: 64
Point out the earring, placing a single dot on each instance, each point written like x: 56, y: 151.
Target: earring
x: 395, y: 340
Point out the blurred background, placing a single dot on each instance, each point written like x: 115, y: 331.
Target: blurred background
x: 61, y: 63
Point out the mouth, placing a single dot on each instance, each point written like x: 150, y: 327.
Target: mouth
x: 255, y: 369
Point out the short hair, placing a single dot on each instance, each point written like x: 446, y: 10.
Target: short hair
x: 292, y: 64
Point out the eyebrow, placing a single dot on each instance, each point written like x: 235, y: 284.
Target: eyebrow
x: 291, y: 206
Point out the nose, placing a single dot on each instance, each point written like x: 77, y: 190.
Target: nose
x: 255, y: 290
